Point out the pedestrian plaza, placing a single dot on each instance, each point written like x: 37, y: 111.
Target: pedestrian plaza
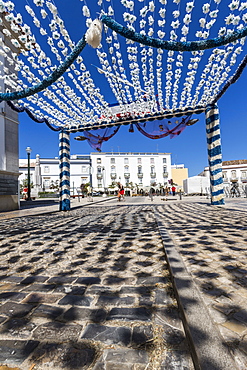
x: 150, y: 285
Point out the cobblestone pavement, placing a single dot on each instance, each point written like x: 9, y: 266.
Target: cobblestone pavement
x: 213, y: 245
x: 89, y: 289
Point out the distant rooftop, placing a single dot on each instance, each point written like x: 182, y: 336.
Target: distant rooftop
x: 127, y: 153
x: 236, y: 161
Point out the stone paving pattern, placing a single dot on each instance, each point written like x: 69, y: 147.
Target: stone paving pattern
x: 88, y: 289
x: 213, y: 245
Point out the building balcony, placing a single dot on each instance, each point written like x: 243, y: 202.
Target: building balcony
x: 99, y: 176
x: 140, y: 175
x: 225, y: 179
x: 234, y: 179
x: 113, y: 175
x: 153, y: 175
x: 127, y: 175
x: 165, y: 174
x: 243, y: 178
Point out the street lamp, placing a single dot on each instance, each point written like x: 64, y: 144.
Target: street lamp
x: 28, y: 150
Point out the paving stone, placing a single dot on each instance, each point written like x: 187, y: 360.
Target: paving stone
x: 13, y: 279
x: 112, y: 280
x: 162, y: 298
x: 40, y: 288
x: 241, y: 316
x: 55, y: 331
x: 107, y: 334
x: 13, y: 309
x: 140, y: 290
x: 81, y: 314
x: 76, y: 300
x: 116, y: 301
x: 50, y: 312
x: 34, y: 279
x: 146, y: 301
x: 61, y: 280
x: 71, y: 289
x: 141, y: 334
x: 19, y: 328
x: 90, y: 280
x: 14, y: 352
x: 176, y: 360
x: 173, y: 336
x: 64, y: 356
x: 101, y: 289
x: 152, y: 280
x: 2, y: 319
x: 139, y: 314
x: 42, y: 298
x: 125, y: 356
x: 14, y: 296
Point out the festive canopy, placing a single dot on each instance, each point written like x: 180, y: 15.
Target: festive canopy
x: 149, y: 63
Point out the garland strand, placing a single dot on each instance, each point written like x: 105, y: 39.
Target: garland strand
x: 172, y: 45
x: 232, y: 80
x: 54, y: 76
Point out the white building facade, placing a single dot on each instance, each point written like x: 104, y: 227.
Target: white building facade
x: 101, y: 170
x: 139, y: 169
x: 45, y: 173
x: 234, y: 171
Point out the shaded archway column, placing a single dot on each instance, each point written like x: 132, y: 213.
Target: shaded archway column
x: 214, y: 154
x: 64, y: 166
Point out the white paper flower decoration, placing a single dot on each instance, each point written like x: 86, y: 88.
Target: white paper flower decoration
x: 151, y: 6
x: 162, y: 12
x: 206, y: 8
x: 175, y: 24
x: 143, y: 11
x: 38, y: 2
x: 189, y: 7
x: 176, y: 13
x: 187, y: 18
x: 234, y: 5
x: 161, y: 34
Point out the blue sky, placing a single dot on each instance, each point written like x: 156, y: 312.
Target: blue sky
x: 188, y: 148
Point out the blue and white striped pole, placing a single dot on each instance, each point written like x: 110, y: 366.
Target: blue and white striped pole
x: 214, y: 154
x: 64, y: 165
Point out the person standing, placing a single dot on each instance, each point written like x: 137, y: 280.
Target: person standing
x: 173, y: 190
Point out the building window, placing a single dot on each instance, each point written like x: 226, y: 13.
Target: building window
x: 46, y: 183
x: 164, y: 168
x: 113, y: 169
x: 152, y: 160
x: 164, y: 160
x: 140, y: 181
x: 139, y: 169
x: 47, y: 169
x: 224, y: 175
x: 126, y: 160
x: 113, y: 160
x: 234, y: 174
x: 139, y: 160
x: 99, y: 169
x: 243, y: 174
x: 152, y: 169
x: 83, y: 169
x: 99, y: 184
x: 99, y: 160
x: 126, y: 168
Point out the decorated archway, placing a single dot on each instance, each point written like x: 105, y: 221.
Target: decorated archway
x: 152, y: 65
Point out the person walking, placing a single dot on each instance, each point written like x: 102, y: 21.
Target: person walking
x: 120, y: 192
x: 89, y: 194
x: 151, y: 194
